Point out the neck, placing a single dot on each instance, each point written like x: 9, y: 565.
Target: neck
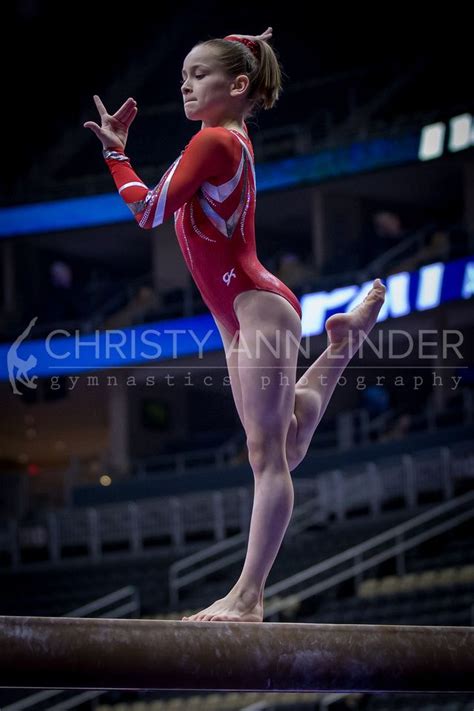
x: 239, y: 126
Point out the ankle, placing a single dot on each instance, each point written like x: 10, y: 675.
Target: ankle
x: 249, y: 594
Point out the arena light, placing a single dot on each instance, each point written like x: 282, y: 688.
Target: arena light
x: 461, y: 132
x: 432, y: 141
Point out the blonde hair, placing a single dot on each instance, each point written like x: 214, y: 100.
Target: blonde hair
x: 265, y: 74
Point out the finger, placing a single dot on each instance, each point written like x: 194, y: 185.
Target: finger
x: 93, y: 126
x: 127, y: 118
x: 100, y: 106
x: 130, y: 115
x: 124, y: 116
x: 266, y: 34
x: 129, y: 103
x: 135, y: 111
x: 125, y: 110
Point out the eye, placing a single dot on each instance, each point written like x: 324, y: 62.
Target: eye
x: 198, y: 76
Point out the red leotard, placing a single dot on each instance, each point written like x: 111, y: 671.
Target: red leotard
x: 210, y: 188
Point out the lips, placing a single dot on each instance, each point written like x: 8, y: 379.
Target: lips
x: 189, y: 100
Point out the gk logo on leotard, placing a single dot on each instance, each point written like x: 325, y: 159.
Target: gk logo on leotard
x: 228, y: 276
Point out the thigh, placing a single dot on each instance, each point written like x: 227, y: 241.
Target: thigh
x: 270, y: 334
x: 231, y: 356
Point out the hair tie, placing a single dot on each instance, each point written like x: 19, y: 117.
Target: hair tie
x: 253, y: 46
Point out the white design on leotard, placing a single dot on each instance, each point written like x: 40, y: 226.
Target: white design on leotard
x: 221, y: 192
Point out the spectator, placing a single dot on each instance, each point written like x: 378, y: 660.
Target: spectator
x: 387, y: 226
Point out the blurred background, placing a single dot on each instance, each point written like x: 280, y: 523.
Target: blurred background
x: 111, y: 473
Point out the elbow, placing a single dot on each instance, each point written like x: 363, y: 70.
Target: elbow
x: 148, y: 212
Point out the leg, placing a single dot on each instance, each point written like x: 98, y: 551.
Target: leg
x: 346, y: 333
x: 232, y: 360
x: 314, y: 389
x: 267, y: 379
x: 306, y: 401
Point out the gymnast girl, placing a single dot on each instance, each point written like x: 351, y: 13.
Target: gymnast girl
x: 210, y: 190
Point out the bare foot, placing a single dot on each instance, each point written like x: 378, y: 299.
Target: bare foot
x: 231, y: 608
x: 355, y: 326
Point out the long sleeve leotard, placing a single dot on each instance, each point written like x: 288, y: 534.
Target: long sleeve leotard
x: 210, y: 189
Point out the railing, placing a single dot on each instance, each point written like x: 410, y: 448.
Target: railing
x: 130, y: 606
x: 352, y: 428
x: 402, y: 249
x: 140, y: 528
x: 345, y: 431
x: 306, y: 515
x: 357, y: 428
x: 351, y: 563
x: 337, y: 492
x: 184, y: 461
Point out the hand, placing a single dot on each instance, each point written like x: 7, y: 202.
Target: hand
x: 113, y: 131
x: 265, y: 36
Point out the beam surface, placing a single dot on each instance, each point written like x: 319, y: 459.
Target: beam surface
x: 85, y: 653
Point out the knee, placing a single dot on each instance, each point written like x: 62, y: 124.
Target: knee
x: 266, y: 452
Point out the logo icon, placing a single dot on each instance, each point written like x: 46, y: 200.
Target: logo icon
x: 18, y: 367
x: 228, y: 276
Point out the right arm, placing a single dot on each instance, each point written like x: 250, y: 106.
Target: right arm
x: 208, y: 154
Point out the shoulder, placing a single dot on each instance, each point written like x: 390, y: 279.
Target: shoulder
x: 213, y: 150
x: 213, y: 138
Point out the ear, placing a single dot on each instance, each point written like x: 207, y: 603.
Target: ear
x: 239, y: 85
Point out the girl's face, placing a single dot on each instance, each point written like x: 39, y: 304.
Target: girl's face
x: 208, y: 94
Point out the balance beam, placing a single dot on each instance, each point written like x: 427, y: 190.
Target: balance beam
x: 79, y: 653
